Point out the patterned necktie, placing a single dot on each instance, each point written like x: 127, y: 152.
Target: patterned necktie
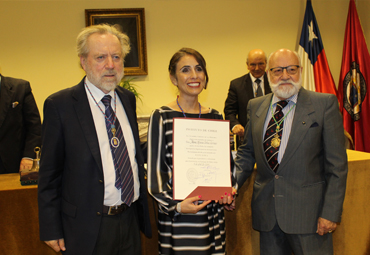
x: 271, y: 142
x: 122, y: 164
x: 259, y: 89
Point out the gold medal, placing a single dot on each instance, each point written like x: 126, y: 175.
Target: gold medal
x: 114, y: 142
x: 113, y: 129
x: 275, y: 142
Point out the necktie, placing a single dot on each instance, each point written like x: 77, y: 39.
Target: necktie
x: 259, y: 89
x: 122, y: 164
x: 274, y: 131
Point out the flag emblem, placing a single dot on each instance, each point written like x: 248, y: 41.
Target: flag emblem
x: 354, y: 91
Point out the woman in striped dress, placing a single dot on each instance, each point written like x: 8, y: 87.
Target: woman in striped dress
x: 191, y: 226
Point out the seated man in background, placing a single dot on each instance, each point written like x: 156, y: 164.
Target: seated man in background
x: 20, y: 125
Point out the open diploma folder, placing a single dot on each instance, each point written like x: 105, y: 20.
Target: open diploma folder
x: 201, y: 158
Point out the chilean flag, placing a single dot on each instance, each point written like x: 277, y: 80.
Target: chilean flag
x: 316, y: 74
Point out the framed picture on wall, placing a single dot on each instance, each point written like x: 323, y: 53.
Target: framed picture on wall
x: 132, y: 22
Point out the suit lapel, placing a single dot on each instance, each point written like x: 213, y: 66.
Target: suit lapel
x: 83, y: 112
x: 248, y: 88
x: 304, y: 117
x: 6, y: 96
x: 266, y: 84
x: 261, y: 114
x: 131, y: 116
x: 129, y: 112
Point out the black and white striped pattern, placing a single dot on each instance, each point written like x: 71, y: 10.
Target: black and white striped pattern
x: 201, y: 233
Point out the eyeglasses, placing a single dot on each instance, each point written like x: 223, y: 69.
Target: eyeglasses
x: 278, y: 71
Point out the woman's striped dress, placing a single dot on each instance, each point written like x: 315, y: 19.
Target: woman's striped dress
x: 201, y: 233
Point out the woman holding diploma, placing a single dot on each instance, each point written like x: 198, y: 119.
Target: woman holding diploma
x: 191, y: 226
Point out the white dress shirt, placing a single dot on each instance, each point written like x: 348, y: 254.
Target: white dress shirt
x: 112, y: 196
x: 255, y: 85
x: 288, y: 111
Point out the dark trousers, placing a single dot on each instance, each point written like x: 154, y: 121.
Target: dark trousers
x: 119, y: 234
x: 277, y: 242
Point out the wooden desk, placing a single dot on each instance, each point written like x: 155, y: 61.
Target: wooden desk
x: 20, y: 230
x: 19, y: 224
x: 352, y: 235
x: 19, y: 218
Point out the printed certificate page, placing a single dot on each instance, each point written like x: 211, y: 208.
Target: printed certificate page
x: 201, y: 158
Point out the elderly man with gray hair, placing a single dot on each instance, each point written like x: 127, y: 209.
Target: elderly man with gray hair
x: 296, y: 138
x: 92, y: 193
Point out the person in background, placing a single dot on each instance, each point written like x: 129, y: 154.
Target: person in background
x: 92, y: 193
x: 191, y: 226
x: 296, y: 138
x: 244, y: 88
x: 20, y: 125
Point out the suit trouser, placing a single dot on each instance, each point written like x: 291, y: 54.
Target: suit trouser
x: 119, y: 234
x: 238, y: 141
x: 277, y: 242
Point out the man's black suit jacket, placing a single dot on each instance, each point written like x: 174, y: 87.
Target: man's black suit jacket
x: 71, y: 180
x: 20, y: 124
x: 240, y: 92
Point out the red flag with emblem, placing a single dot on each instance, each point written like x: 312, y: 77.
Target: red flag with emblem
x: 353, y: 83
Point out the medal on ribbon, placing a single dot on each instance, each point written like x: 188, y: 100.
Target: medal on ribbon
x: 114, y: 141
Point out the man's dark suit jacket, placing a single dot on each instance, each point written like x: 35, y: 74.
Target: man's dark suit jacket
x: 71, y: 180
x: 20, y: 124
x: 240, y: 92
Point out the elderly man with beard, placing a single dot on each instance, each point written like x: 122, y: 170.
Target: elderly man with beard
x: 92, y: 192
x: 296, y: 139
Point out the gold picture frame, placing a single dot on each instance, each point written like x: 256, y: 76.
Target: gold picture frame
x: 132, y: 23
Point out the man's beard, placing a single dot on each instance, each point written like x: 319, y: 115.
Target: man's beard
x: 285, y: 91
x: 99, y: 82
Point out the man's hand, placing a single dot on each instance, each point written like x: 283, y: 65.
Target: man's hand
x: 325, y: 226
x: 25, y: 164
x: 238, y: 130
x: 57, y: 245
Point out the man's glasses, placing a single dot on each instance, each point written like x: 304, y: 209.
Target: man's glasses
x: 278, y: 71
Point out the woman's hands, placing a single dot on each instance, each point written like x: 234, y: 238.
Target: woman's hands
x: 228, y: 200
x: 191, y: 205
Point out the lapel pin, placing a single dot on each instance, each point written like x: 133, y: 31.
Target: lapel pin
x: 304, y: 123
x: 14, y: 104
